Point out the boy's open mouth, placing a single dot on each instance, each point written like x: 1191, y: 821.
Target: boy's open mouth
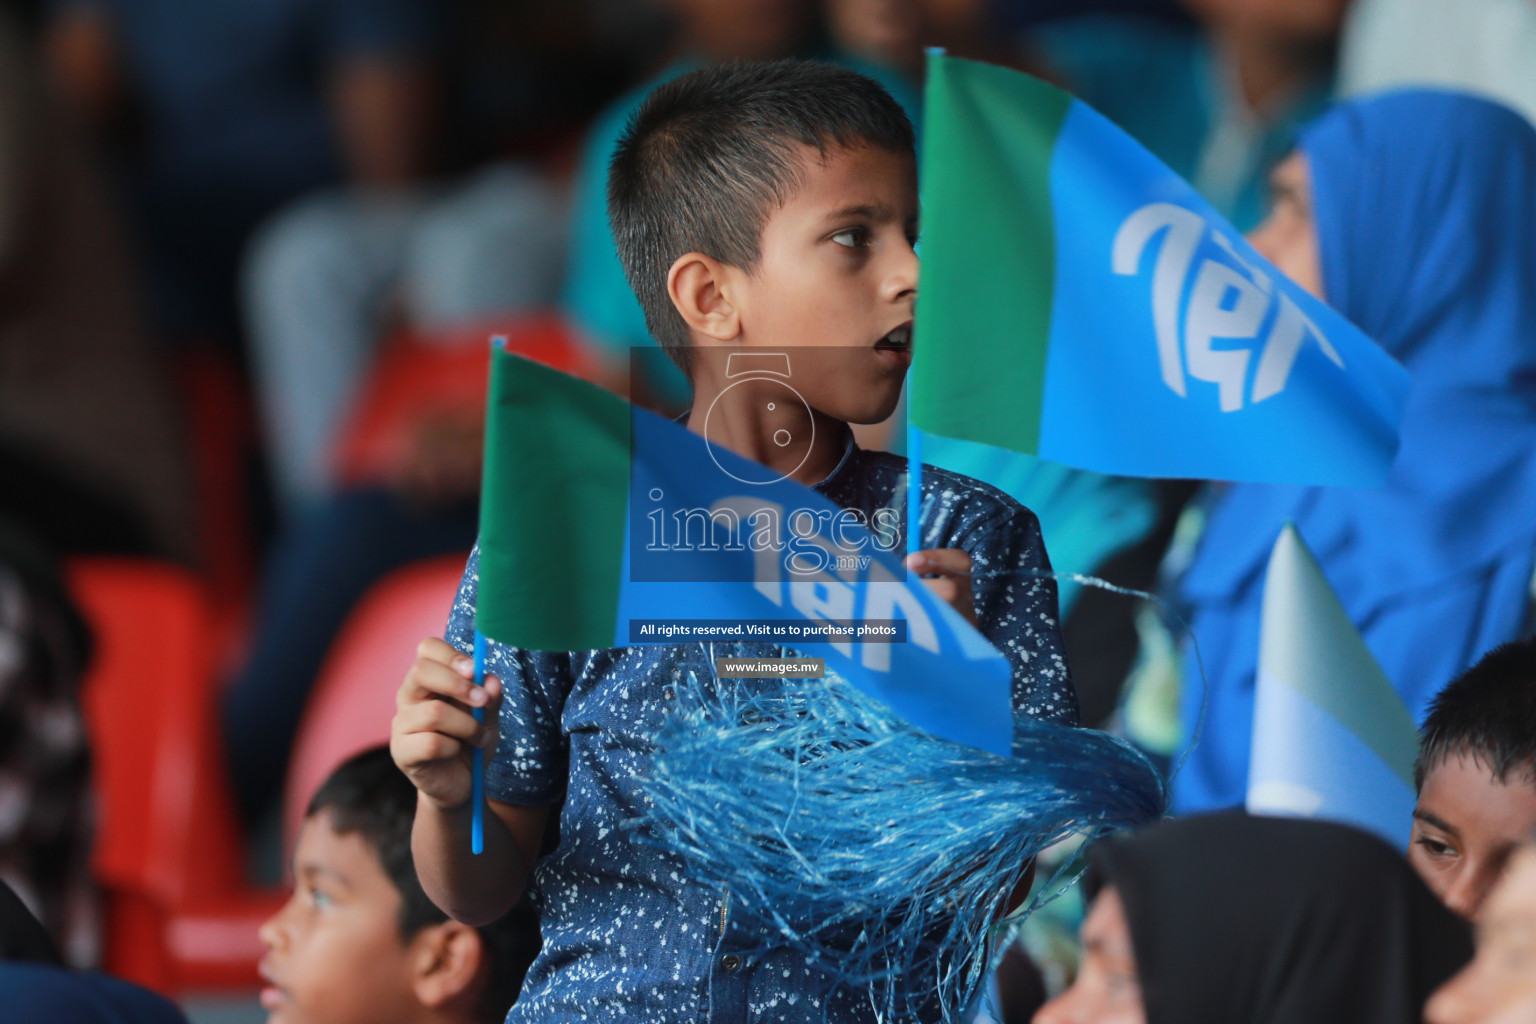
x: 899, y: 340
x: 272, y: 995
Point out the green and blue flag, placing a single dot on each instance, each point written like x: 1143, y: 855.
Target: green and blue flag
x: 1082, y: 302
x: 597, y: 517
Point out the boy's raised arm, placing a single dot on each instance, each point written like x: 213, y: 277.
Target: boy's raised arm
x: 431, y: 740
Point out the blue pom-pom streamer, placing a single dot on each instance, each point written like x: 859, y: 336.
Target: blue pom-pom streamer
x: 881, y: 853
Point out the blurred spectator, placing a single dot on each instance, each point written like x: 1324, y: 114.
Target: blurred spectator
x: 1227, y: 918
x: 1218, y: 101
x: 330, y: 279
x: 1499, y: 985
x: 1476, y: 777
x: 1434, y: 568
x: 88, y: 440
x: 1484, y: 46
x: 218, y: 113
x: 46, y: 814
x: 327, y: 277
x: 883, y: 33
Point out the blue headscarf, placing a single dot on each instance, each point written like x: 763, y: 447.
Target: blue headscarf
x: 1425, y: 205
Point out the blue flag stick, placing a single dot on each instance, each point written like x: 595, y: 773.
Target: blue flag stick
x: 477, y: 778
x: 914, y: 489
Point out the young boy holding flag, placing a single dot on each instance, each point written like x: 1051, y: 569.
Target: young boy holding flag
x: 760, y: 210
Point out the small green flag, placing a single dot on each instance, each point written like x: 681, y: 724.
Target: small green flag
x: 552, y: 508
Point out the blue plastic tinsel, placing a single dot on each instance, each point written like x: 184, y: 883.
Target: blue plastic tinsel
x: 882, y: 853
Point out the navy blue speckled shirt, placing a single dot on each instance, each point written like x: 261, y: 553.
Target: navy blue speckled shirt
x: 627, y: 935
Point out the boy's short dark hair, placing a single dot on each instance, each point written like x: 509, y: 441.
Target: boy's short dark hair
x: 1487, y: 713
x: 369, y: 796
x: 709, y: 154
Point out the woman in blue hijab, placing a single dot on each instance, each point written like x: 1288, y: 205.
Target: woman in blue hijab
x: 1414, y: 214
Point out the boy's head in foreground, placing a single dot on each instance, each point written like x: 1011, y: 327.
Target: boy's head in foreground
x: 359, y: 941
x: 1499, y: 985
x: 1476, y: 776
x: 774, y: 205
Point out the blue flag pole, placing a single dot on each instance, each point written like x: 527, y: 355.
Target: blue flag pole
x: 914, y: 489
x: 477, y: 768
x: 915, y: 444
x: 477, y: 759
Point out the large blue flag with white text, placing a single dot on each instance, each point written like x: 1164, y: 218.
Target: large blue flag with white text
x: 1080, y: 301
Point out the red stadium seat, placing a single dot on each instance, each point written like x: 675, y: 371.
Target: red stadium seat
x: 168, y: 849
x: 353, y: 701
x: 415, y: 378
x: 221, y: 439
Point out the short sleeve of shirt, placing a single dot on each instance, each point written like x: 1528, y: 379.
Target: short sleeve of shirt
x: 529, y: 766
x: 1016, y: 609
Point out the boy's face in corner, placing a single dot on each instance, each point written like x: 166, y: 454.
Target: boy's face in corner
x: 1499, y: 985
x: 1107, y: 989
x: 837, y: 275
x: 1465, y: 825
x: 334, y: 953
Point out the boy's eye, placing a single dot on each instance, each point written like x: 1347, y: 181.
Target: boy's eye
x: 320, y: 899
x: 1435, y: 848
x: 853, y: 238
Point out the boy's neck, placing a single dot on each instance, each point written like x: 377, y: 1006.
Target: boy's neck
x: 742, y: 426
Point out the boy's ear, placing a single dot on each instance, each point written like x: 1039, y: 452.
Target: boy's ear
x: 446, y: 964
x: 700, y: 288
